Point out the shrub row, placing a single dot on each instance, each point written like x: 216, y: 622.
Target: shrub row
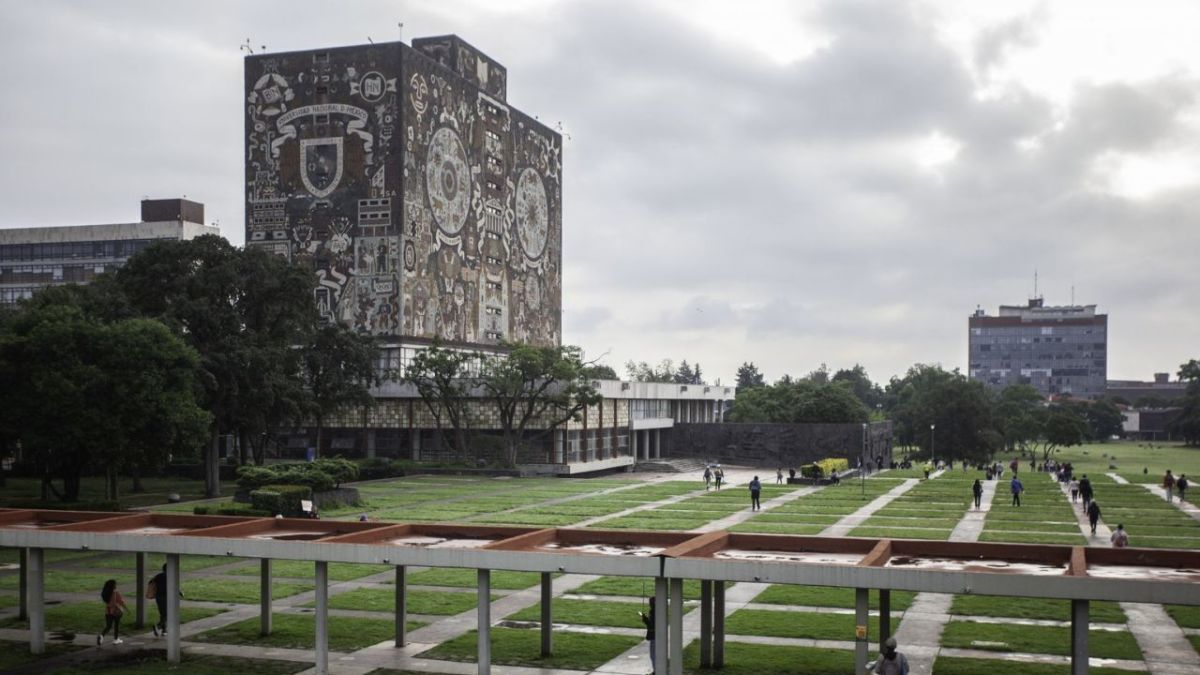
x: 318, y: 476
x: 825, y: 467
x: 276, y: 499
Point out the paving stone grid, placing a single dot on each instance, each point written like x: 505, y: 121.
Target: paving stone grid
x: 902, y: 503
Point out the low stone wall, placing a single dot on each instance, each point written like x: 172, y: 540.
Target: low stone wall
x: 780, y: 445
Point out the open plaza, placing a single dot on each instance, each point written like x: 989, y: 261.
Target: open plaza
x: 595, y: 624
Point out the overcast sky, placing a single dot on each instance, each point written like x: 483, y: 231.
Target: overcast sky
x: 787, y: 183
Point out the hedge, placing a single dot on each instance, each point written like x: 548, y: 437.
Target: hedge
x: 320, y: 476
x: 825, y: 467
x: 278, y: 499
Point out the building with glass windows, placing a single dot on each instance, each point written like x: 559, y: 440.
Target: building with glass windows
x: 32, y: 258
x: 1059, y: 350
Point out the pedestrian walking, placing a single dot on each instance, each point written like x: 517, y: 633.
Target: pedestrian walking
x: 719, y: 476
x: 707, y: 477
x: 755, y: 491
x: 1017, y: 489
x: 977, y: 490
x: 1093, y: 512
x: 1168, y: 484
x: 648, y: 620
x: 779, y: 476
x: 1182, y: 484
x: 891, y: 662
x: 114, y: 609
x: 157, y: 590
x: 1085, y: 491
x: 1119, y: 538
x: 1074, y: 487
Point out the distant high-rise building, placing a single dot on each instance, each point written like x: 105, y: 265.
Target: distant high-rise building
x: 426, y: 206
x: 35, y: 257
x: 1057, y: 350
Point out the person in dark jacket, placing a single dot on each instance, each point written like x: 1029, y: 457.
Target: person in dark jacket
x: 977, y: 490
x: 755, y: 491
x: 1085, y: 491
x: 159, y: 582
x: 1093, y: 512
x: 1017, y: 489
x: 648, y: 620
x: 1182, y: 485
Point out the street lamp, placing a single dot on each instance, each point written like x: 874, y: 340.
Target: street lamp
x: 932, y: 459
x: 862, y: 463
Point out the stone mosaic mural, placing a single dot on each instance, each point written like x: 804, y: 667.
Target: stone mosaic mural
x: 425, y: 205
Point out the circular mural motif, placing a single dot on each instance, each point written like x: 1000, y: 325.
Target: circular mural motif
x: 448, y: 180
x: 533, y: 214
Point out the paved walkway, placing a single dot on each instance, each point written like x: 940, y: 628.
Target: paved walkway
x: 1164, y: 646
x: 1187, y: 507
x: 746, y: 514
x: 920, y: 634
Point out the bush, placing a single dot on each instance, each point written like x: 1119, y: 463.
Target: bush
x: 304, y: 474
x: 283, y: 499
x: 200, y: 511
x: 340, y: 469
x: 254, y: 477
x: 378, y: 467
x: 825, y: 467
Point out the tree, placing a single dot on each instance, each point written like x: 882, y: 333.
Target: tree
x: 1017, y: 416
x: 644, y: 372
x: 944, y: 413
x: 860, y: 383
x: 819, y: 376
x: 1187, y: 424
x: 1060, y: 427
x: 339, y: 370
x: 82, y: 393
x: 445, y: 383
x: 1104, y: 420
x: 600, y: 371
x: 798, y: 402
x: 748, y: 376
x: 243, y: 311
x: 536, y: 388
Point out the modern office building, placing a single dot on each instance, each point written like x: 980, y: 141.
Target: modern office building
x: 429, y: 208
x: 1160, y: 388
x: 1059, y: 350
x: 35, y: 257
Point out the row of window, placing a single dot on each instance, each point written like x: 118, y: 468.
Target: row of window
x: 73, y: 249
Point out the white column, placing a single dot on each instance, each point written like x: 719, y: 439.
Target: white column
x: 633, y: 445
x: 718, y: 648
x: 36, y: 601
x: 173, y: 646
x: 676, y: 659
x: 861, y: 617
x: 139, y: 587
x: 706, y: 621
x: 321, y: 580
x: 1079, y: 637
x: 264, y: 596
x: 401, y: 606
x: 484, y: 657
x: 661, y: 610
x: 658, y: 443
x: 547, y: 615
x: 23, y: 564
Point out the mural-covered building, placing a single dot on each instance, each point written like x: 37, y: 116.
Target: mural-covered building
x: 426, y: 205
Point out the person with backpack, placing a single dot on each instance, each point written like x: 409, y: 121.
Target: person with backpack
x: 1085, y: 491
x: 1074, y: 487
x: 157, y: 590
x: 1017, y: 489
x: 1119, y: 538
x: 648, y: 621
x: 1168, y: 484
x: 707, y: 477
x: 977, y: 491
x: 1182, y: 484
x: 1093, y: 512
x: 891, y: 662
x: 114, y: 609
x: 755, y: 491
x: 718, y: 476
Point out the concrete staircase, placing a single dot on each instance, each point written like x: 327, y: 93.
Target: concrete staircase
x: 683, y: 465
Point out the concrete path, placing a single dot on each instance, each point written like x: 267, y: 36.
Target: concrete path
x: 920, y: 634
x: 1187, y: 507
x: 746, y: 514
x: 1117, y: 478
x: 842, y: 527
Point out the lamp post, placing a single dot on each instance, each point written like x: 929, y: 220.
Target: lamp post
x: 932, y: 459
x: 862, y: 463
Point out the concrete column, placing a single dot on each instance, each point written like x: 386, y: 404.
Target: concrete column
x: 264, y: 596
x: 485, y: 622
x: 370, y: 444
x: 547, y: 615
x: 414, y: 444
x: 718, y: 647
x: 658, y: 444
x: 173, y: 647
x: 706, y: 608
x: 1079, y: 637
x: 676, y: 643
x: 862, y: 607
x: 661, y: 610
x: 401, y: 606
x: 139, y: 617
x: 633, y: 446
x: 885, y: 616
x: 321, y: 583
x: 36, y: 571
x: 23, y: 563
x: 558, y: 446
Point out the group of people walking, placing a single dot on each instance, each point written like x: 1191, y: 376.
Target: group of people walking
x: 1170, y: 483
x: 115, y: 608
x: 713, y: 475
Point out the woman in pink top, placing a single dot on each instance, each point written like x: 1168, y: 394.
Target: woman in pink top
x: 114, y: 609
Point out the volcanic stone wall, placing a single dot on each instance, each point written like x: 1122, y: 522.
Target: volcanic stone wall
x: 780, y: 445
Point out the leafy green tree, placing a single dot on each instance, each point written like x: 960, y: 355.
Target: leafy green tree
x: 445, y: 381
x: 684, y: 374
x: 1018, y: 411
x: 1104, y: 420
x: 1061, y: 427
x: 339, y: 371
x: 1187, y: 423
x: 798, y: 402
x: 748, y: 376
x: 600, y: 371
x: 944, y: 413
x: 860, y: 383
x: 641, y: 371
x: 535, y: 389
x: 819, y: 376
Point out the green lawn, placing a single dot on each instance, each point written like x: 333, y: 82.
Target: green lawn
x: 1037, y: 639
x: 240, y: 592
x: 1033, y: 608
x: 1187, y: 616
x: 468, y: 578
x: 948, y: 665
x: 634, y: 587
x: 750, y: 659
x: 587, y: 613
x: 826, y: 596
x: 88, y: 617
x: 440, y: 603
x: 153, y: 661
x: 299, y: 569
x: 297, y: 631
x: 797, y: 624
x: 517, y: 647
x: 15, y: 654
